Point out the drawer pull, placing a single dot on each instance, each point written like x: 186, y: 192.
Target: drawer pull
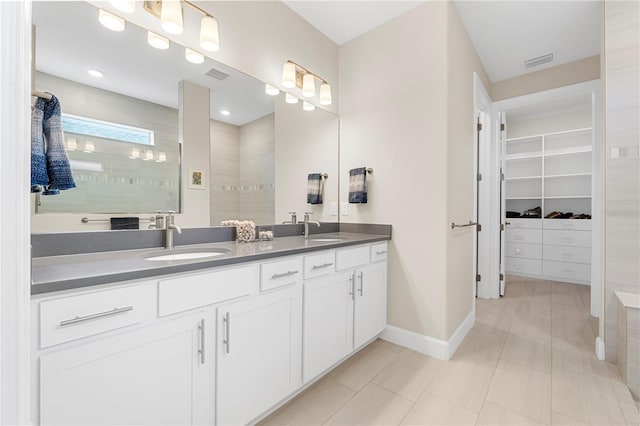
x: 568, y: 271
x: 381, y: 252
x: 284, y: 274
x: 77, y: 320
x: 567, y: 255
x: 567, y: 239
x: 567, y: 225
x: 517, y: 251
x: 324, y: 265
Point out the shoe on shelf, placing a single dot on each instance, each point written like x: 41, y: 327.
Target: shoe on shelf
x: 565, y: 215
x: 553, y: 215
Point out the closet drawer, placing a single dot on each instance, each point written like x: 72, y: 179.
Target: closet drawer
x: 320, y: 264
x: 515, y: 223
x: 350, y: 258
x: 568, y: 224
x: 378, y: 252
x: 567, y: 238
x: 567, y: 254
x: 280, y: 273
x: 566, y: 270
x: 70, y: 318
x: 525, y: 266
x: 529, y: 251
x: 531, y: 236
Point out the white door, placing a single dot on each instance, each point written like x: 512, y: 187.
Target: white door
x: 158, y: 375
x: 502, y: 138
x: 370, y: 309
x: 259, y: 354
x: 328, y: 322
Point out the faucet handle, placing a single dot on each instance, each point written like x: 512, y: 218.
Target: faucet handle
x: 306, y: 215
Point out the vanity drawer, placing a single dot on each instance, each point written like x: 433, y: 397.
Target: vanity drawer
x: 75, y: 317
x: 280, y: 273
x: 319, y: 264
x: 567, y: 254
x: 567, y: 238
x: 349, y: 258
x: 525, y: 266
x: 193, y: 291
x: 567, y: 271
x: 529, y: 251
x: 568, y: 224
x: 531, y: 236
x: 378, y: 251
x: 516, y: 223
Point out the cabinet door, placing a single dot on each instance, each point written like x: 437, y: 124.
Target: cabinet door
x: 162, y: 374
x: 259, y: 354
x: 370, y: 310
x: 328, y: 322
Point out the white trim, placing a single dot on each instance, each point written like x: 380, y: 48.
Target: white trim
x: 600, y: 348
x: 15, y: 119
x: 436, y: 348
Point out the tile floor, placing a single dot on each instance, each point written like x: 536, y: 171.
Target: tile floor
x: 528, y: 360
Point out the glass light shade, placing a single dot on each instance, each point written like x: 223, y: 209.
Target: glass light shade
x: 135, y: 153
x: 148, y: 155
x: 271, y: 90
x: 113, y: 22
x: 308, y: 106
x: 209, y: 38
x: 290, y: 99
x: 127, y: 6
x: 289, y: 75
x: 193, y: 56
x: 162, y: 157
x: 72, y: 144
x: 157, y: 41
x: 171, y: 16
x: 95, y: 73
x: 308, y: 85
x: 325, y: 94
x: 89, y: 147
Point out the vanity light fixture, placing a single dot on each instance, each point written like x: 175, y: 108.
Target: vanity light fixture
x: 148, y: 155
x: 111, y: 21
x: 294, y: 75
x: 308, y: 106
x: 157, y: 41
x: 325, y: 94
x: 89, y: 147
x: 209, y: 38
x: 72, y: 144
x: 127, y: 6
x: 95, y: 73
x: 193, y: 56
x: 289, y: 75
x: 171, y: 17
x: 162, y: 157
x: 290, y: 99
x: 308, y: 85
x: 271, y: 90
x: 135, y: 153
x: 224, y: 112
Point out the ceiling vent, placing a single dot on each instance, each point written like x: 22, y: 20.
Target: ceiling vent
x: 534, y: 62
x: 217, y: 74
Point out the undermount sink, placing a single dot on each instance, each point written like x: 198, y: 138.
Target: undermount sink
x: 326, y: 240
x: 186, y: 254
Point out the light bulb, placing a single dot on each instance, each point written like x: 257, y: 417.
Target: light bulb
x: 225, y: 112
x: 325, y: 94
x: 127, y: 6
x: 95, y: 73
x: 135, y: 153
x: 308, y: 106
x: 193, y: 56
x: 289, y: 75
x: 157, y: 41
x: 148, y: 155
x: 162, y: 157
x: 290, y: 99
x: 72, y: 144
x: 271, y: 90
x: 171, y: 16
x: 209, y: 38
x: 89, y: 147
x: 113, y: 22
x: 308, y: 85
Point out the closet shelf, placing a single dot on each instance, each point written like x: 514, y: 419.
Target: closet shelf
x: 523, y: 156
x: 525, y: 198
x: 568, y: 175
x: 564, y: 132
x: 558, y: 197
x: 568, y: 151
x: 523, y: 178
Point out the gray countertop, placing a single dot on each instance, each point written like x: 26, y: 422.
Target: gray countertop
x: 56, y: 273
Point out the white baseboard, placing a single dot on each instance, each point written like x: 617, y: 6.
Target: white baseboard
x: 437, y: 348
x: 600, y: 348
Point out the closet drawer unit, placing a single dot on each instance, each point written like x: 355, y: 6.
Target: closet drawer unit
x: 529, y: 251
x: 350, y: 258
x: 317, y: 265
x: 524, y: 266
x: 516, y: 223
x: 74, y: 317
x: 567, y: 238
x: 566, y: 271
x: 567, y: 224
x: 379, y: 252
x: 567, y: 254
x: 193, y: 291
x: 530, y: 236
x: 280, y: 273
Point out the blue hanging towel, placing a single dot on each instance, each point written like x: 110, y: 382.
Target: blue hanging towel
x: 50, y: 169
x: 314, y: 188
x: 358, y: 185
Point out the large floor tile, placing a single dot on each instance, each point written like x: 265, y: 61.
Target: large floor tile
x: 499, y: 314
x: 313, y: 407
x: 483, y: 343
x: 492, y: 414
x: 576, y: 333
x: 535, y: 308
x: 527, y: 352
x: 532, y: 327
x: 568, y: 357
x: 569, y: 299
x: 465, y: 383
x: 568, y: 312
x: 522, y: 390
x: 430, y: 409
x: 408, y: 374
x: 558, y: 419
x: 373, y: 405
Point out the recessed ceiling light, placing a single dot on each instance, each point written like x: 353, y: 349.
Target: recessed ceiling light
x: 224, y: 112
x: 96, y: 73
x: 113, y: 22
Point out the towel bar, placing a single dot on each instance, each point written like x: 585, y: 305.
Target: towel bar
x: 455, y: 225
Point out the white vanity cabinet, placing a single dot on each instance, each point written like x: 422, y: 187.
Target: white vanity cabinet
x: 370, y: 309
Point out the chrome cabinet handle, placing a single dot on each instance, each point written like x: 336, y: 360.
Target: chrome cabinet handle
x: 225, y: 339
x: 284, y: 274
x: 77, y: 320
x: 324, y: 265
x: 352, y: 285
x: 360, y: 275
x: 381, y: 252
x: 201, y: 351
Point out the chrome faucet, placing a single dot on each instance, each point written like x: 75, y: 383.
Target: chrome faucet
x: 293, y: 220
x: 169, y: 227
x: 307, y: 222
x: 158, y: 221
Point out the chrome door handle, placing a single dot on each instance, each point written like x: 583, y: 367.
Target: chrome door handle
x: 360, y: 275
x: 201, y: 351
x: 77, y: 320
x: 226, y: 338
x: 324, y: 265
x: 352, y: 285
x: 381, y: 252
x: 284, y: 274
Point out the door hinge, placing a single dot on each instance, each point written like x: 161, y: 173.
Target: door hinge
x: 502, y: 227
x: 479, y: 177
x: 502, y: 127
x: 478, y: 278
x: 478, y: 227
x: 479, y: 126
x: 501, y: 277
x: 501, y: 176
